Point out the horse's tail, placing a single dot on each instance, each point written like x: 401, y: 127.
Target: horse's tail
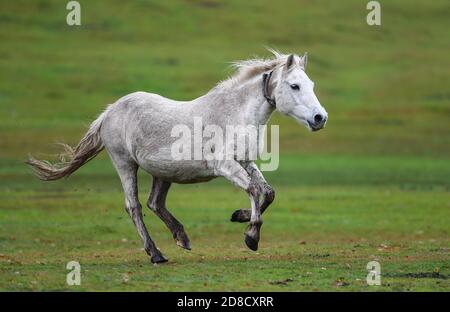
x: 89, y: 147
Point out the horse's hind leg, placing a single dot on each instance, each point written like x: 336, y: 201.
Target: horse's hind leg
x: 127, y: 170
x: 157, y: 203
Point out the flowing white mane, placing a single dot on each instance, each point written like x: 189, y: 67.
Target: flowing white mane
x: 247, y: 69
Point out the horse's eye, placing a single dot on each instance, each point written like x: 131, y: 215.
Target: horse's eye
x: 295, y: 87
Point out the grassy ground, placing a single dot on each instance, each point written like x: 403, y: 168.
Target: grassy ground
x: 374, y: 185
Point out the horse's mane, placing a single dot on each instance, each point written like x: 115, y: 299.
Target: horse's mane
x: 248, y: 69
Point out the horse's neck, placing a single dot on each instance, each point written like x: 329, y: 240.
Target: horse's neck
x: 244, y: 104
x: 257, y: 110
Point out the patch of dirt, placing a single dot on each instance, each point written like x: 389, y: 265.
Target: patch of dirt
x: 341, y: 283
x: 209, y: 4
x: 58, y: 195
x: 317, y: 255
x: 419, y: 275
x: 282, y: 282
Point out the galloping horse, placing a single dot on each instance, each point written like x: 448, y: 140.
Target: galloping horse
x: 136, y: 132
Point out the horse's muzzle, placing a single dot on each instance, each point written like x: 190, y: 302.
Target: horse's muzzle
x: 317, y: 124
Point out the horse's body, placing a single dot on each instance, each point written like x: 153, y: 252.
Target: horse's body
x: 136, y: 132
x: 138, y: 125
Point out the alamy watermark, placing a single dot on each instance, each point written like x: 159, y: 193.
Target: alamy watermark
x: 230, y: 142
x: 374, y: 16
x: 74, y: 16
x: 73, y: 278
x: 374, y: 276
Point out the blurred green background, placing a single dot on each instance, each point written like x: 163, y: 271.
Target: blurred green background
x: 373, y: 185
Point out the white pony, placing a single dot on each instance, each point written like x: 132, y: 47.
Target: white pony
x: 136, y: 132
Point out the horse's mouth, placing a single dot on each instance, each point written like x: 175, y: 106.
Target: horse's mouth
x: 313, y: 127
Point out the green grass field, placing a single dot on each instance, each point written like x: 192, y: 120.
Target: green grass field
x: 374, y: 185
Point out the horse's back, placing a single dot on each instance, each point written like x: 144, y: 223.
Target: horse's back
x: 138, y: 116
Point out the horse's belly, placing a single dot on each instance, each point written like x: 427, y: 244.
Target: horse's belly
x: 181, y: 171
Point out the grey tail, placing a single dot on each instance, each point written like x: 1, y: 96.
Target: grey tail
x: 89, y: 147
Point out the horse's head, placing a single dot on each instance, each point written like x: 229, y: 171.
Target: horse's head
x: 295, y: 96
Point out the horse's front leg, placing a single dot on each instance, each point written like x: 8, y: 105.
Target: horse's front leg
x: 243, y: 215
x: 235, y: 173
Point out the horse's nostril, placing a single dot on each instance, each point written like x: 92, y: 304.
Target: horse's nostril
x: 318, y: 118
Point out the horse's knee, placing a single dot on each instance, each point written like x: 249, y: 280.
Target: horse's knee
x: 128, y: 210
x: 269, y: 194
x: 253, y: 190
x: 133, y: 210
x: 152, y: 205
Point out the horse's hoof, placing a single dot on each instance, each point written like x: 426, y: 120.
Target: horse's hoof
x: 183, y: 244
x: 158, y: 259
x: 251, y: 242
x: 182, y: 240
x: 235, y: 216
x: 239, y: 216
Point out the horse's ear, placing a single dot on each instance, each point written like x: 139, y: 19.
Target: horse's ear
x: 304, y: 60
x: 290, y: 61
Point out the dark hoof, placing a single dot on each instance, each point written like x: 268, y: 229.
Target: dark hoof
x: 251, y: 242
x: 235, y: 216
x: 158, y: 259
x: 182, y: 240
x: 184, y: 244
x: 240, y: 216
